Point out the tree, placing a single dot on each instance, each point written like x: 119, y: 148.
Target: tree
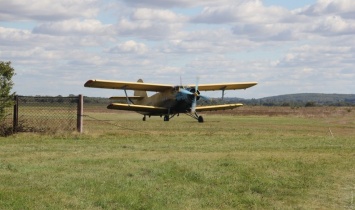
x: 310, y: 104
x: 6, y: 84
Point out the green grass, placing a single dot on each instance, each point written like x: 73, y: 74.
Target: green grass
x: 228, y: 162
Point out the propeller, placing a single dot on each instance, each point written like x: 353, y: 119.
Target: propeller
x: 181, y: 90
x: 196, y: 94
x: 193, y: 107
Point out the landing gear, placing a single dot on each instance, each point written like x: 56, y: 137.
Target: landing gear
x: 144, y: 118
x: 166, y: 118
x: 200, y: 119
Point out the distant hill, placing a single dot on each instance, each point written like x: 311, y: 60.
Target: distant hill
x: 302, y: 99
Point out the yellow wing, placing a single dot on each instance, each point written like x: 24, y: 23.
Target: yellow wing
x: 125, y: 98
x: 162, y: 110
x: 138, y: 108
x: 127, y: 85
x: 225, y: 86
x: 217, y: 107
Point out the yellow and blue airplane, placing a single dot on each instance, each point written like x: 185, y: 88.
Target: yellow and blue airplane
x: 169, y: 100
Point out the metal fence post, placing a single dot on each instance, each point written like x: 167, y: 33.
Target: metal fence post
x: 79, y: 124
x: 15, y: 116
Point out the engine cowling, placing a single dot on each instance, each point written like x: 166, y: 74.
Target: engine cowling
x: 194, y: 93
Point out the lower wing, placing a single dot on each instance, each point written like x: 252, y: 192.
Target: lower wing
x: 217, y: 107
x: 162, y: 110
x: 138, y: 108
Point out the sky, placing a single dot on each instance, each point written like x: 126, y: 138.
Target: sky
x: 303, y: 46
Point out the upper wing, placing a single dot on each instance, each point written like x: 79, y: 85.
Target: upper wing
x: 125, y: 98
x: 127, y: 85
x: 138, y: 108
x: 225, y: 86
x: 217, y: 107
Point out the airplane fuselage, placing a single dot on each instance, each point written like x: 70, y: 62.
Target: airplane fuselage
x: 173, y: 100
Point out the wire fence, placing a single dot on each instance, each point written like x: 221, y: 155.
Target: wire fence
x: 45, y: 114
x: 41, y: 114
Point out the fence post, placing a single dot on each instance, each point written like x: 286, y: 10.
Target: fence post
x: 15, y: 116
x: 79, y: 124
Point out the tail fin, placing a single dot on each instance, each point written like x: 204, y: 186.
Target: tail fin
x: 140, y: 92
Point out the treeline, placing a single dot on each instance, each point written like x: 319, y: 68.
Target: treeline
x: 301, y: 100
x: 63, y: 99
x: 291, y: 100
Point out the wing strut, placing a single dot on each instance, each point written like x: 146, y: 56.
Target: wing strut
x: 125, y: 92
x: 223, y: 93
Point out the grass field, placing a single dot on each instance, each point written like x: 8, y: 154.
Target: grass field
x: 251, y: 158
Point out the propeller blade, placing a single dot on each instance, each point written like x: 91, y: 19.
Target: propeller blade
x: 197, y: 81
x: 205, y: 97
x: 193, y: 107
x: 181, y: 90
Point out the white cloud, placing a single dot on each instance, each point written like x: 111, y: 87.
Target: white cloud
x: 333, y: 25
x: 143, y: 29
x: 73, y: 27
x: 150, y: 24
x: 207, y: 41
x: 174, y: 3
x: 47, y: 10
x: 241, y: 12
x: 9, y: 36
x: 155, y: 15
x: 130, y: 47
x: 344, y: 8
x: 268, y: 32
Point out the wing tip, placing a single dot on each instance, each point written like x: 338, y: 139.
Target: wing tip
x: 89, y: 82
x: 110, y: 106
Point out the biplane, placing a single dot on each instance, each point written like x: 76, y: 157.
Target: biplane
x: 170, y: 100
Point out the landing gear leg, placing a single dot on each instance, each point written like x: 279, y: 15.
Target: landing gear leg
x: 195, y: 116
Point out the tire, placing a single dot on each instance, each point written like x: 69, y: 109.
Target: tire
x: 166, y: 118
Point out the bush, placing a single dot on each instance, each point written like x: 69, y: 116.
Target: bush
x: 6, y: 98
x: 310, y: 104
x: 5, y: 129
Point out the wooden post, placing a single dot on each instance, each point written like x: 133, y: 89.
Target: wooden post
x: 79, y: 125
x: 15, y: 116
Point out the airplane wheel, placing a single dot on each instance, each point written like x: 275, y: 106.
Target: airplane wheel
x: 166, y: 118
x: 144, y: 118
x: 200, y: 119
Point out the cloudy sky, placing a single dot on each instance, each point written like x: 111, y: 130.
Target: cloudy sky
x: 303, y: 46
